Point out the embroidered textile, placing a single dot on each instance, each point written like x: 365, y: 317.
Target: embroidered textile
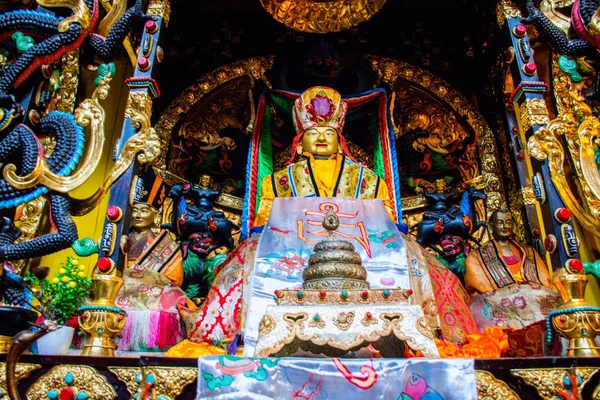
x: 230, y: 377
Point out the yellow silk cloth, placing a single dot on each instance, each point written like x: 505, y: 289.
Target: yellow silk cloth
x: 325, y: 174
x: 189, y: 349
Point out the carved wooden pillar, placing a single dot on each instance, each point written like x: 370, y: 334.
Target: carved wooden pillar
x: 138, y: 143
x: 547, y: 217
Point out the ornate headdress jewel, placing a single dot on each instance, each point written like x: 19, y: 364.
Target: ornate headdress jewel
x: 319, y: 106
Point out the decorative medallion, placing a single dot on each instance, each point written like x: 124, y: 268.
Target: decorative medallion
x: 489, y: 387
x: 322, y: 16
x: 168, y: 382
x: 551, y: 382
x: 72, y: 382
x: 22, y: 371
x: 344, y: 320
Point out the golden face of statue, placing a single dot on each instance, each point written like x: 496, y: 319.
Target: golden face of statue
x: 440, y: 185
x: 320, y: 141
x: 206, y: 181
x: 503, y: 226
x: 142, y: 217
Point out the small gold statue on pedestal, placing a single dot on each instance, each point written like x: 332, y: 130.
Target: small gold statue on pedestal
x: 336, y: 311
x: 577, y: 320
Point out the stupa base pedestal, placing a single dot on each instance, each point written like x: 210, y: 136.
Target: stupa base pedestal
x: 333, y: 329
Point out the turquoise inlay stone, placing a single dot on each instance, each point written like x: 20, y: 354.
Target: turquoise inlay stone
x: 161, y: 397
x: 100, y: 331
x: 138, y: 377
x: 150, y: 379
x: 317, y: 318
x: 69, y: 378
x: 135, y: 396
x: 300, y: 293
x: 566, y: 381
x: 53, y: 394
x: 344, y: 293
x: 82, y: 396
x: 386, y: 292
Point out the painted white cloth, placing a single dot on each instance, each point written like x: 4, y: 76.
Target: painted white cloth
x: 231, y: 377
x: 288, y: 239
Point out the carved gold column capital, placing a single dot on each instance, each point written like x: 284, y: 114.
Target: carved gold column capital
x: 506, y: 9
x: 548, y: 381
x: 533, y: 112
x: 489, y: 387
x: 74, y: 379
x: 160, y: 8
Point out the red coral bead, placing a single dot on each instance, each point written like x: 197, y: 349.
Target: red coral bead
x: 104, y: 264
x: 575, y: 264
x: 369, y: 315
x: 562, y: 215
x: 530, y: 68
x: 114, y: 213
x: 520, y: 30
x: 151, y: 26
x: 67, y: 394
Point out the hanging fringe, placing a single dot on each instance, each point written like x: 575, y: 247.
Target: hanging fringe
x: 150, y: 330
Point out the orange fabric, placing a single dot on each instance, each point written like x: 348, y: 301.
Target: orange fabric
x: 174, y: 269
x: 189, y: 349
x: 490, y: 344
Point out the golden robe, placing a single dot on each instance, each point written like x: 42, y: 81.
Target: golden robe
x: 486, y: 270
x: 337, y: 176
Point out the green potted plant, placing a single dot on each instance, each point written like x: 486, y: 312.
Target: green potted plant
x: 61, y: 296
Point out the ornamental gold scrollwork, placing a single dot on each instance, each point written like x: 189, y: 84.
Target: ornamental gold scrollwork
x: 81, y: 13
x: 581, y: 130
x: 80, y: 378
x: 528, y: 195
x: 29, y: 223
x: 506, y: 9
x: 490, y: 387
x: 254, y: 68
x: 390, y: 71
x: 145, y: 145
x: 22, y: 371
x: 138, y: 101
x: 317, y: 16
x: 169, y: 382
x: 90, y: 113
x: 533, y: 112
x: 128, y: 375
x: 69, y: 79
x: 548, y: 381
